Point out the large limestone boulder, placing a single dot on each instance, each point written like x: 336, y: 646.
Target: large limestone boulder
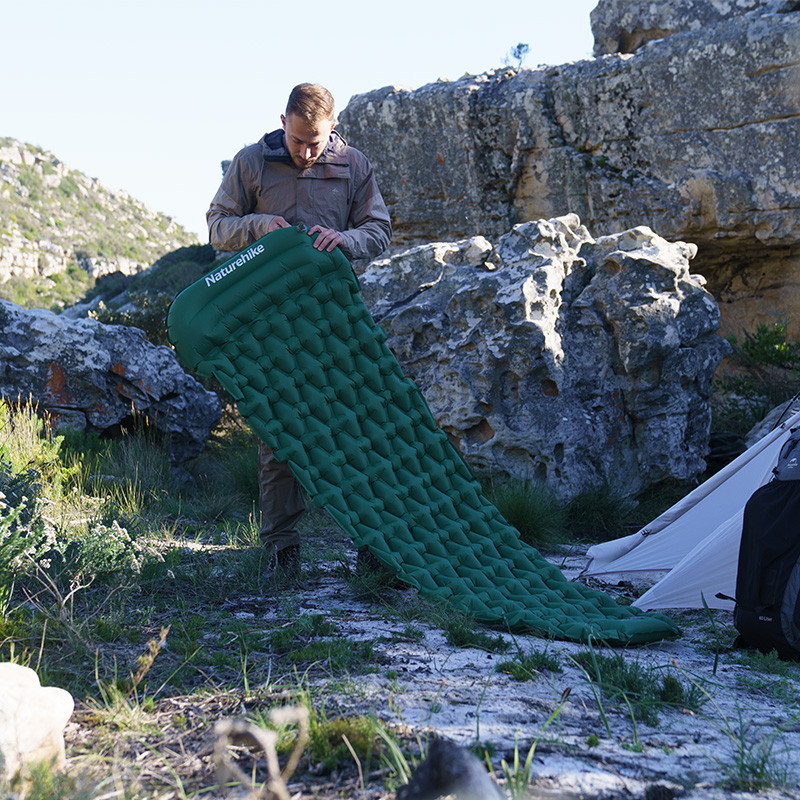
x: 32, y: 722
x: 97, y: 377
x: 696, y: 135
x: 556, y: 356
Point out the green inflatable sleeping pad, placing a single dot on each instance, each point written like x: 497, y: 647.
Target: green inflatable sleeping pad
x: 283, y: 328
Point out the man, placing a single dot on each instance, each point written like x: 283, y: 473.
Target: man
x: 303, y: 172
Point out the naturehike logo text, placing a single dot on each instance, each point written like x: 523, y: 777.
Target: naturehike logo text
x: 243, y: 258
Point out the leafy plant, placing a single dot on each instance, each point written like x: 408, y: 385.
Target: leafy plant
x: 15, y: 542
x: 143, y: 310
x: 768, y: 345
x: 148, y: 295
x: 517, y: 53
x: 100, y: 550
x: 763, y: 372
x: 176, y: 270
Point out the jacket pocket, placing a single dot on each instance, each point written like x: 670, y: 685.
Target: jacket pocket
x: 327, y: 196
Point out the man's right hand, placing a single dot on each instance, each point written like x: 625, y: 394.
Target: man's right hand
x: 277, y: 222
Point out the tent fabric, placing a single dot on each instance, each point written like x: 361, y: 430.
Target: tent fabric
x: 697, y: 539
x: 283, y: 328
x: 706, y: 573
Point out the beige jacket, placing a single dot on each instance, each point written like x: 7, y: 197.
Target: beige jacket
x: 338, y: 191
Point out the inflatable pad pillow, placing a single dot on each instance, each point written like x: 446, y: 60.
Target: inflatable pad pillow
x: 283, y: 328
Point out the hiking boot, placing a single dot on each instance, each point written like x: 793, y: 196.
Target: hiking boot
x: 368, y: 564
x: 288, y: 562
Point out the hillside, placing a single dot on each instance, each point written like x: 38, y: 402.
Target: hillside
x: 61, y: 230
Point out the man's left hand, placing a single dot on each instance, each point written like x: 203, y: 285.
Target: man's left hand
x: 327, y: 239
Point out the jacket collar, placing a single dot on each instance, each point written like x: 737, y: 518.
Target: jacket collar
x: 273, y: 148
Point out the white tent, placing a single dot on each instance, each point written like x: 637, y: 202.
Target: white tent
x: 697, y: 540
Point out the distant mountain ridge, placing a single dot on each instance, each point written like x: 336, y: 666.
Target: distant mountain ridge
x: 54, y: 220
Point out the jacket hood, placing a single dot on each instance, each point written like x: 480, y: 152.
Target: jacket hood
x: 274, y: 149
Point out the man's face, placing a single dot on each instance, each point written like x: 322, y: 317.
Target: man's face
x: 306, y: 142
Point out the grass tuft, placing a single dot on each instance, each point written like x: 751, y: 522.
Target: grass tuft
x: 643, y: 690
x: 462, y: 631
x: 529, y: 666
x: 326, y: 749
x: 533, y: 509
x: 599, y: 513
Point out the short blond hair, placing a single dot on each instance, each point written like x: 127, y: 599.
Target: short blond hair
x: 310, y: 102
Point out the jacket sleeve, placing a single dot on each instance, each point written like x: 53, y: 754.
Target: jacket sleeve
x: 231, y: 224
x: 370, y: 228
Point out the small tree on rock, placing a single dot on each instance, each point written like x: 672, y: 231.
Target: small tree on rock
x: 517, y: 53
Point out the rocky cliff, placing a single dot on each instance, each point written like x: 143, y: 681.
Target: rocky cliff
x: 696, y: 135
x: 52, y: 217
x: 623, y: 26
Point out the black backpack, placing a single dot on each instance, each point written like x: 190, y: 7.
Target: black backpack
x: 767, y: 613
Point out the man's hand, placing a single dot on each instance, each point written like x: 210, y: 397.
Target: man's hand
x: 275, y: 223
x: 327, y: 239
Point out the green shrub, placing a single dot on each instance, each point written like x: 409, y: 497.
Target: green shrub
x: 100, y: 551
x: 16, y: 542
x: 763, y: 372
x: 68, y: 187
x: 150, y: 293
x: 149, y: 313
x: 768, y: 346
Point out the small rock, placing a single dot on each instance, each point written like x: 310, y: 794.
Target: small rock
x: 449, y: 770
x: 32, y: 721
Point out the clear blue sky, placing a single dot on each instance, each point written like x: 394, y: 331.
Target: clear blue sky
x: 149, y: 96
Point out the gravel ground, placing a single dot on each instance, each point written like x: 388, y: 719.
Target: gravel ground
x: 747, y: 729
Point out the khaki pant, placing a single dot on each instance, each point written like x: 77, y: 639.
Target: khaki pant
x: 280, y: 499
